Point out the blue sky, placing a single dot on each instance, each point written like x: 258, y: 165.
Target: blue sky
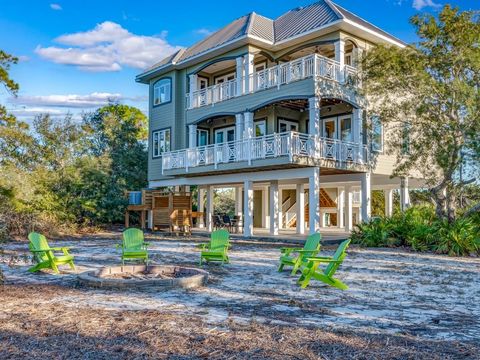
x: 76, y: 54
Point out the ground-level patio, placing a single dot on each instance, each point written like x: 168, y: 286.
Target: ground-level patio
x: 400, y: 305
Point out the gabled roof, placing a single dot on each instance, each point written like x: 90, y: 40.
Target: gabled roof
x: 293, y: 23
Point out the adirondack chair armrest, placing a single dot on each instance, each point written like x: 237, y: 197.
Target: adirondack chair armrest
x: 324, y: 260
x: 202, y: 246
x: 288, y: 250
x: 40, y: 251
x: 301, y: 251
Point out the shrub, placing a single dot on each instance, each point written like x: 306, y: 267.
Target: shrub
x: 419, y: 229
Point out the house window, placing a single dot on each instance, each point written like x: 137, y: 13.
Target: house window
x: 260, y: 128
x: 160, y: 142
x: 162, y: 92
x: 346, y: 128
x: 377, y: 134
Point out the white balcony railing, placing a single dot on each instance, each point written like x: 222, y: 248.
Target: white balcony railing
x: 309, y: 66
x: 265, y: 147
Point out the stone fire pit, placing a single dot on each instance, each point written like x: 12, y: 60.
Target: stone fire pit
x: 160, y: 277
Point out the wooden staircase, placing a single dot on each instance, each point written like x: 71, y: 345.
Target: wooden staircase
x: 325, y: 201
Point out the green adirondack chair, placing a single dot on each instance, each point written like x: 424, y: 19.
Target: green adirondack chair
x: 310, y: 271
x: 133, y: 246
x: 44, y: 255
x: 311, y: 248
x: 217, y: 248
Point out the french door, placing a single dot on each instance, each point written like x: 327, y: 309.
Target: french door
x: 225, y: 137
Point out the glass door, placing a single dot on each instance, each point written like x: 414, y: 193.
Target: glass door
x: 225, y: 136
x: 345, y: 128
x: 286, y: 125
x: 330, y: 128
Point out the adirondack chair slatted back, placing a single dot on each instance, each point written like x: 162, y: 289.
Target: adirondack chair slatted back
x: 133, y: 239
x: 338, y: 256
x: 313, y: 242
x: 219, y: 240
x: 39, y: 242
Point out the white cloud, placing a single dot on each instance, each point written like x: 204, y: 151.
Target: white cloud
x: 92, y: 100
x: 420, y: 4
x: 203, y: 32
x: 107, y: 47
x: 55, y: 7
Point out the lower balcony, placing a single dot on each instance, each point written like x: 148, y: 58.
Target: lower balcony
x: 275, y: 149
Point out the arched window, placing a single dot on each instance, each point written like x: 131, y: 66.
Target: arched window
x: 162, y: 91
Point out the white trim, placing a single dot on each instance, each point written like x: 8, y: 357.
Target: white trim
x: 381, y: 36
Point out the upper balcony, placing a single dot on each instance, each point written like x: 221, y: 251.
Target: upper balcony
x: 311, y: 66
x: 278, y: 149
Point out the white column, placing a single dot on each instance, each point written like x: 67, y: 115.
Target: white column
x: 192, y: 136
x: 193, y: 88
x: 341, y: 207
x: 248, y: 72
x: 314, y: 116
x: 238, y: 200
x: 265, y: 215
x: 340, y: 57
x: 238, y: 126
x: 322, y: 218
x: 248, y: 125
x: 300, y: 208
x: 314, y: 200
x: 274, y: 208
x: 201, y: 207
x: 348, y: 208
x: 248, y: 208
x: 240, y: 75
x: 388, y: 193
x: 340, y: 52
x: 209, y: 209
x: 366, y: 197
x: 357, y: 128
x: 404, y: 195
x: 150, y: 219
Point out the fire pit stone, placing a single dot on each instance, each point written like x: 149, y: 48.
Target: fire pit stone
x: 160, y: 277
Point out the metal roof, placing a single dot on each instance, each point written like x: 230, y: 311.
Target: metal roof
x: 293, y: 23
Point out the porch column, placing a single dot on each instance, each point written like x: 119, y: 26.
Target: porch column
x: 340, y: 58
x: 404, y: 195
x: 265, y: 211
x: 314, y: 116
x: 366, y: 197
x: 240, y: 69
x: 248, y: 61
x: 357, y: 128
x: 348, y: 208
x: 341, y: 207
x: 209, y: 209
x: 274, y: 208
x: 322, y: 218
x: 192, y: 136
x: 238, y: 126
x: 150, y: 219
x: 314, y: 201
x: 238, y: 200
x: 300, y: 208
x: 248, y: 208
x: 193, y: 88
x: 388, y: 193
x: 201, y: 207
x: 248, y: 125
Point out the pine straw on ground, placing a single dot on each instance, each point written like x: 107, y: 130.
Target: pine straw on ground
x: 33, y: 328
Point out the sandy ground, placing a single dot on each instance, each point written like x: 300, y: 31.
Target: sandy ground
x: 399, y: 305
